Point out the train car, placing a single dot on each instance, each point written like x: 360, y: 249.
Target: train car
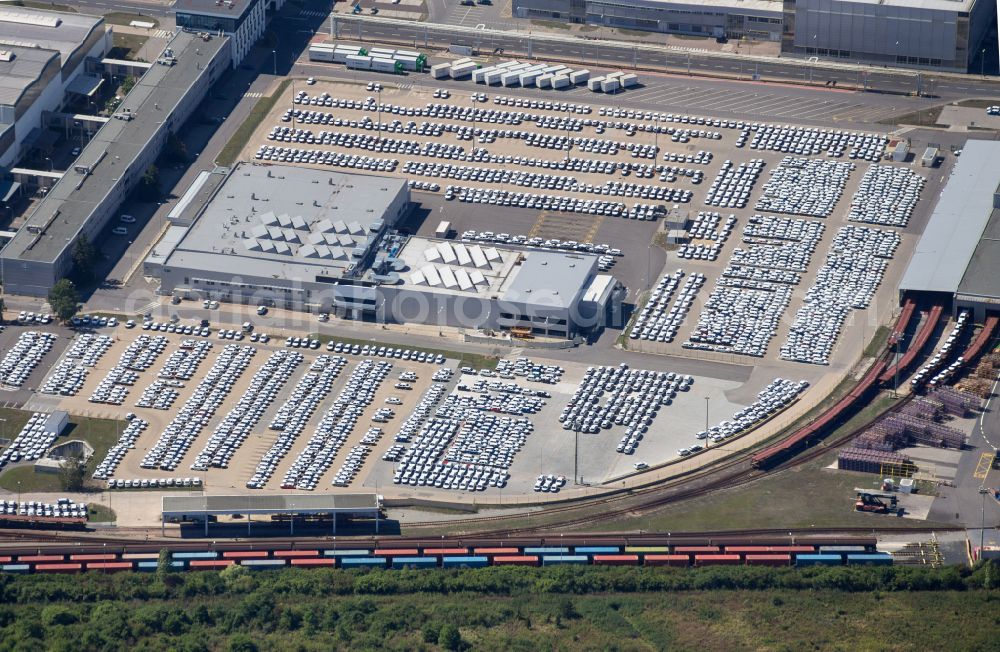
x: 616, y: 560
x: 210, y: 564
x: 40, y: 559
x: 110, y: 566
x: 263, y: 564
x: 643, y: 550
x: 245, y: 554
x: 328, y: 562
x: 556, y: 560
x: 178, y: 564
x: 94, y: 557
x: 362, y: 562
x: 768, y: 560
x: 5, y: 560
x: 141, y: 556
x: 465, y: 561
x: 545, y: 550
x: 717, y: 560
x: 597, y: 550
x: 358, y: 552
x: 492, y: 552
x: 74, y: 567
x: 818, y: 560
x: 770, y: 550
x: 295, y: 554
x: 413, y: 562
x: 147, y: 566
x: 666, y: 560
x: 16, y: 568
x: 396, y: 552
x: 516, y: 560
x: 440, y: 552
x: 201, y: 554
x: 875, y: 559
x: 696, y: 550
x: 843, y: 550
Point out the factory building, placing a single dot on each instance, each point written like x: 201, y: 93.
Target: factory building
x: 935, y: 34
x: 325, y: 242
x: 44, y: 58
x: 243, y: 21
x: 957, y: 259
x: 89, y: 194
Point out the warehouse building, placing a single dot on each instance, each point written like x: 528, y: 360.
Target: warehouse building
x: 754, y: 19
x: 325, y: 242
x: 957, y: 259
x: 84, y: 200
x: 936, y: 34
x: 243, y: 21
x: 44, y: 58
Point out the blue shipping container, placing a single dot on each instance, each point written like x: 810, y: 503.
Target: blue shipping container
x: 597, y: 550
x: 546, y: 551
x: 15, y: 568
x: 194, y: 555
x: 346, y: 553
x: 414, y: 562
x: 840, y: 550
x: 179, y: 565
x: 876, y: 558
x: 552, y: 560
x: 361, y: 562
x: 818, y: 560
x: 465, y: 562
x: 147, y: 565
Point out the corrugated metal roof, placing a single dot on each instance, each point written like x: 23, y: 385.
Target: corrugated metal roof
x: 946, y: 247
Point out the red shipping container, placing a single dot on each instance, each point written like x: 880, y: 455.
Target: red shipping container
x: 616, y: 560
x: 43, y: 559
x: 396, y: 552
x: 4, y: 560
x: 495, y: 551
x: 210, y: 564
x: 716, y: 560
x: 313, y: 563
x: 530, y: 560
x: 769, y: 560
x: 698, y: 550
x: 110, y: 566
x: 755, y: 550
x: 666, y: 560
x: 58, y: 568
x: 96, y: 557
x: 449, y: 551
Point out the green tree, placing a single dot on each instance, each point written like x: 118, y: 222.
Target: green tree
x: 85, y: 257
x: 149, y: 185
x: 430, y: 633
x: 72, y: 472
x: 176, y: 150
x: 64, y: 299
x: 242, y: 643
x: 57, y: 614
x: 449, y: 637
x: 127, y: 84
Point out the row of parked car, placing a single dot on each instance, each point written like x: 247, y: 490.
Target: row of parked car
x: 769, y: 401
x: 126, y: 441
x: 422, y: 410
x: 62, y: 508
x: 199, y: 409
x: 886, y: 196
x: 496, y: 197
x: 293, y: 415
x: 68, y: 376
x: 660, y: 319
x: 733, y: 184
x: 847, y: 281
x: 804, y: 186
x: 935, y: 372
x: 325, y: 157
x: 540, y: 243
x: 336, y: 425
x: 32, y: 442
x: 140, y: 355
x: 152, y: 483
x: 803, y: 141
x: 24, y: 356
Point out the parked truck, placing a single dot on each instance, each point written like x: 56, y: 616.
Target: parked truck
x: 440, y: 70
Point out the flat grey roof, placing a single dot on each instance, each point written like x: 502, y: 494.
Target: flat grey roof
x: 284, y: 222
x: 550, y: 278
x: 946, y: 247
x: 60, y: 216
x: 25, y: 69
x: 270, y: 504
x: 982, y: 277
x: 234, y: 9
x: 21, y: 25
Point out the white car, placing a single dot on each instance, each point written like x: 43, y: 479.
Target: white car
x: 127, y: 219
x: 119, y: 230
x: 311, y: 81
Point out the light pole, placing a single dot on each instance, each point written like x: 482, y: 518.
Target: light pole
x: 378, y: 93
x: 982, y: 525
x: 982, y: 64
x: 707, y: 438
x: 274, y: 53
x: 576, y: 452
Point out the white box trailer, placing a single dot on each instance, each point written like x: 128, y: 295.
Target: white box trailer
x: 479, y: 74
x: 458, y: 62
x: 594, y: 84
x: 629, y: 80
x: 381, y: 64
x: 317, y: 53
x: 444, y: 228
x: 560, y: 81
x: 384, y: 53
x: 555, y: 70
x: 544, y: 81
x: 407, y: 53
x: 579, y: 76
x: 614, y: 75
x: 529, y: 78
x: 462, y: 70
x: 356, y: 62
x: 440, y: 70
x: 512, y: 76
x: 414, y: 64
x: 610, y: 85
x: 929, y: 159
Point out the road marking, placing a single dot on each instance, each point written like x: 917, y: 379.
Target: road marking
x: 983, y: 466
